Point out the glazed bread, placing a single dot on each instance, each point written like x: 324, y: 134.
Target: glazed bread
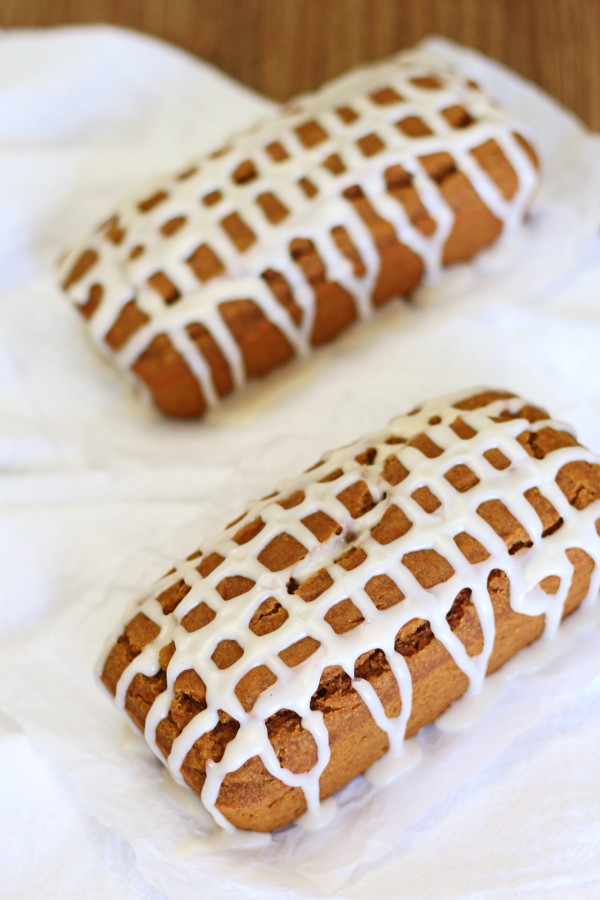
x: 278, y: 242
x: 354, y: 604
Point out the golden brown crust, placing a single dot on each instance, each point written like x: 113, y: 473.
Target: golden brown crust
x: 165, y: 373
x: 263, y: 345
x: 251, y: 797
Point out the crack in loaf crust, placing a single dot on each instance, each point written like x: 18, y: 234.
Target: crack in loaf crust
x: 412, y: 561
x: 281, y: 240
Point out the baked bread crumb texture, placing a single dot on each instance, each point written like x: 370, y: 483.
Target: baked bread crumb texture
x: 355, y: 603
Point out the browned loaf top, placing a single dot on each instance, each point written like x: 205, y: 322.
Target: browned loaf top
x: 413, y: 561
x: 282, y: 239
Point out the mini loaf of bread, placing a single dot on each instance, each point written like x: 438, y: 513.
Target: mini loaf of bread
x: 354, y: 604
x: 279, y: 241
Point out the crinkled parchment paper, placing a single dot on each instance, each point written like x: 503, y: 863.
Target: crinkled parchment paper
x: 100, y: 494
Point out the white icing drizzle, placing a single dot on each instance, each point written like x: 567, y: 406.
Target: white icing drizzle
x: 457, y: 513
x: 123, y: 279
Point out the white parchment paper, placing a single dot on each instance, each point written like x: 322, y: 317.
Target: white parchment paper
x: 122, y: 784
x: 98, y: 493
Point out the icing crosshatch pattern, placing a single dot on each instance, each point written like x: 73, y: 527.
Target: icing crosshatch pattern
x: 348, y: 571
x: 281, y: 239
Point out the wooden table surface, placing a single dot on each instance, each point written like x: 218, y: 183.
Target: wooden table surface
x: 281, y: 47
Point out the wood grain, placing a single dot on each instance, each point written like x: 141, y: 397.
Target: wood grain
x: 281, y: 47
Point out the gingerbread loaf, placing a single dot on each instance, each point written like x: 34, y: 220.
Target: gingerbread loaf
x: 353, y: 605
x: 279, y: 241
